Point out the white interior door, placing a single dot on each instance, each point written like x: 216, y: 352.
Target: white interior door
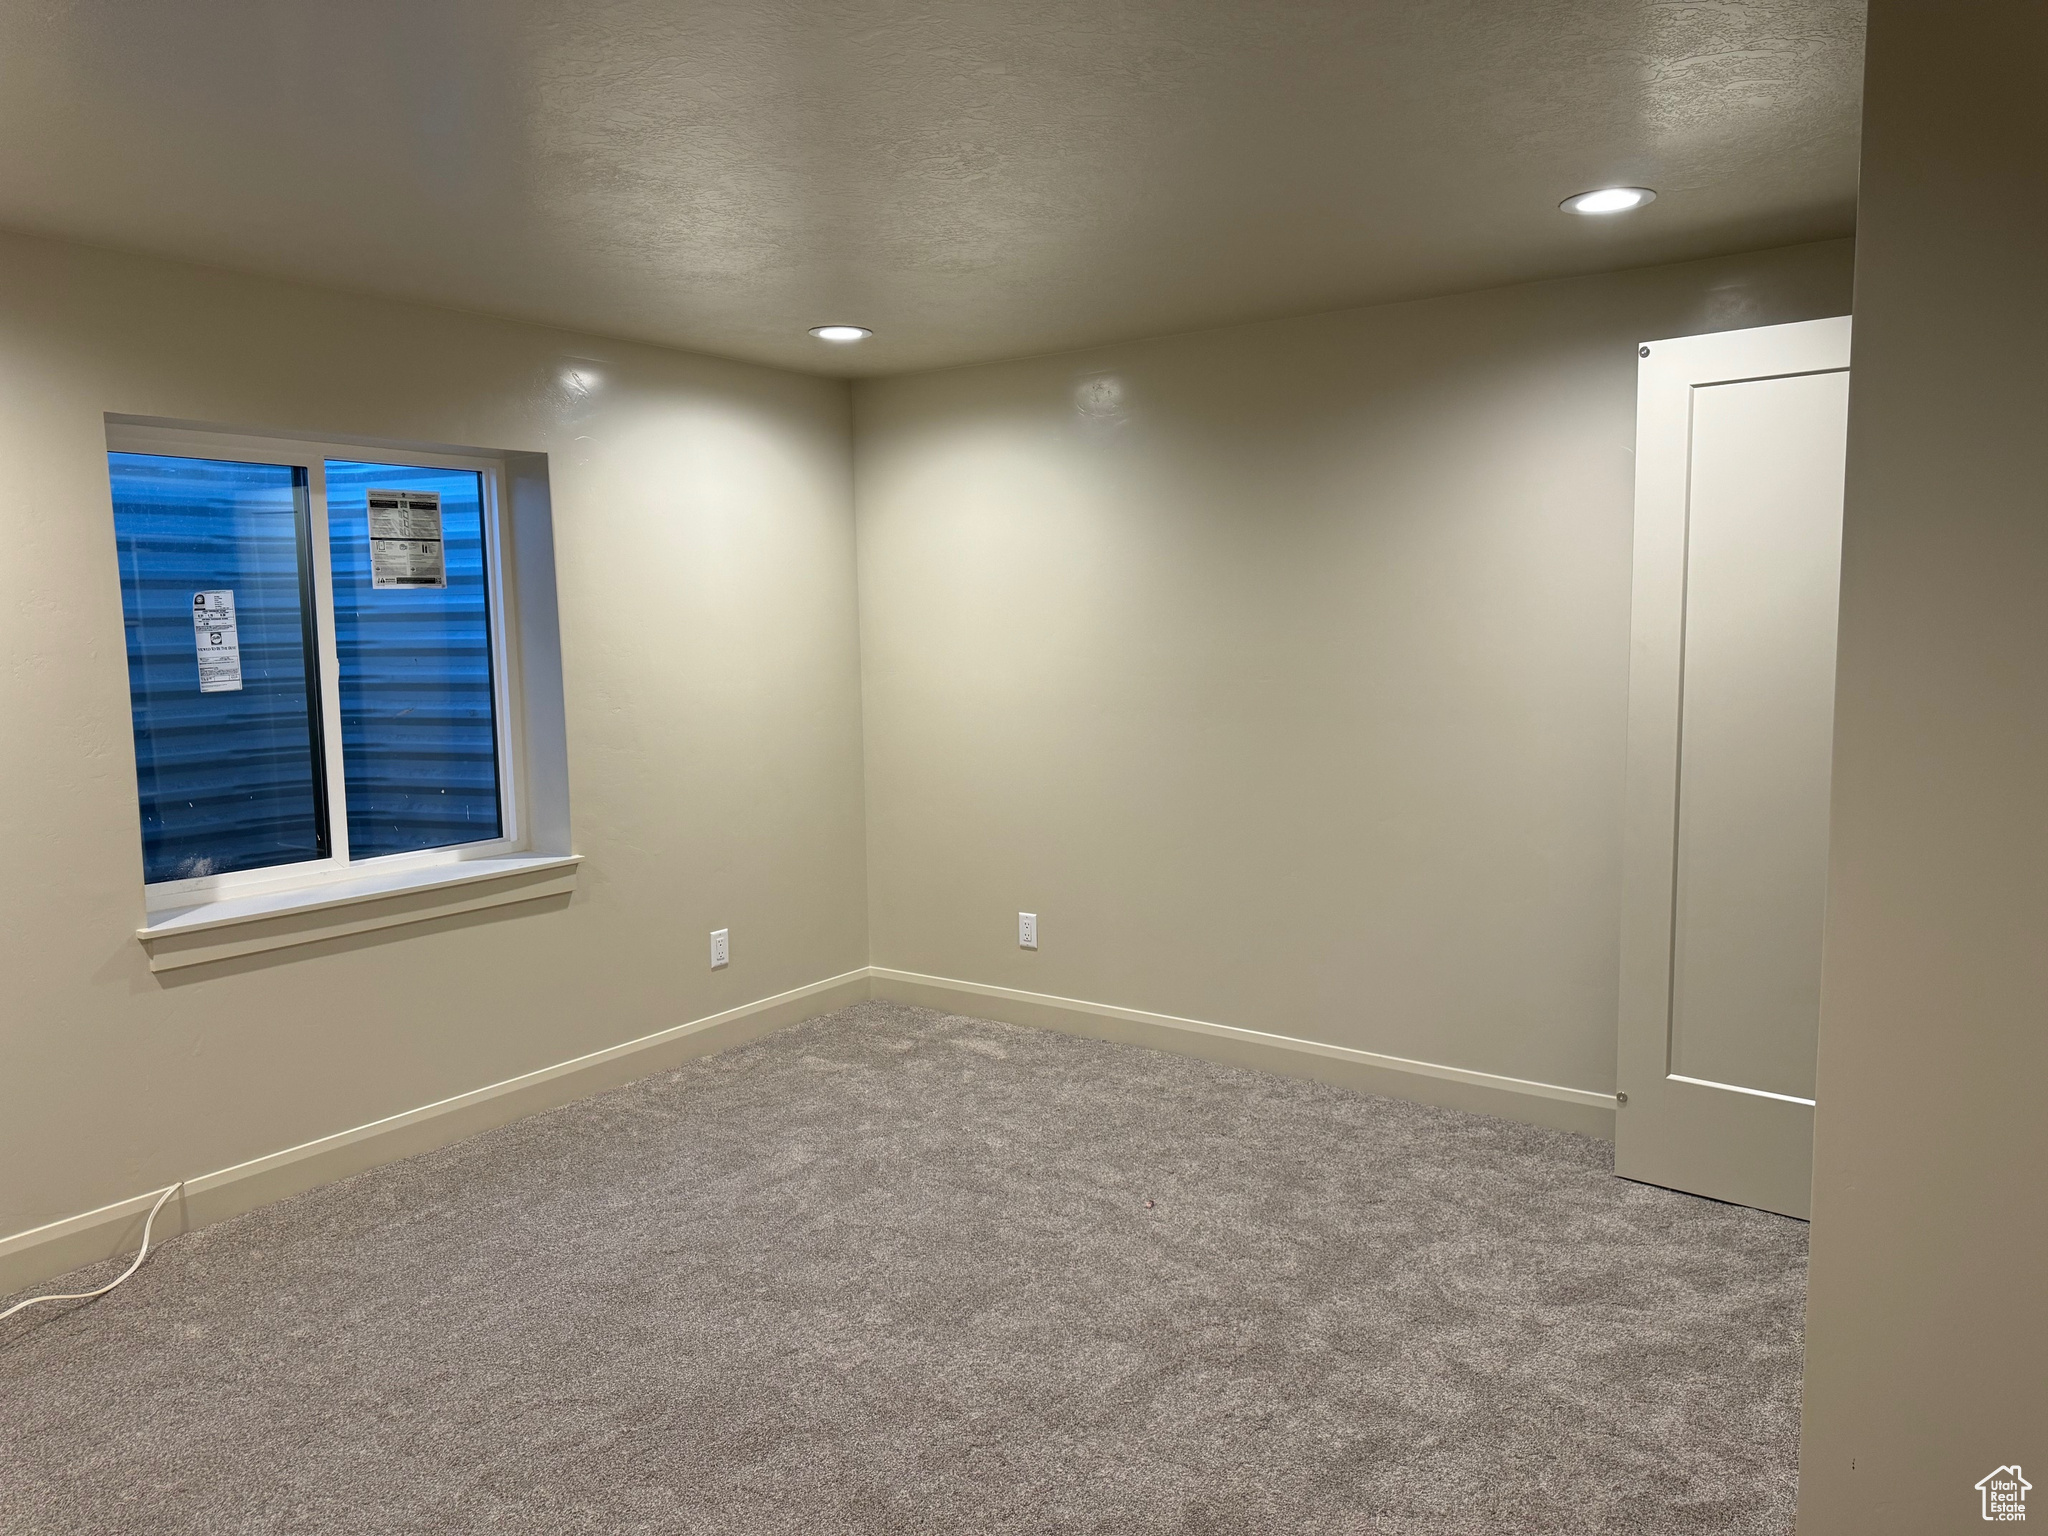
x: 1740, y: 439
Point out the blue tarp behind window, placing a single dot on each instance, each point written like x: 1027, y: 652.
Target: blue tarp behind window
x: 229, y: 780
x: 418, y: 737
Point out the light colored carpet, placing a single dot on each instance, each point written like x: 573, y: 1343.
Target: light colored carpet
x: 896, y: 1272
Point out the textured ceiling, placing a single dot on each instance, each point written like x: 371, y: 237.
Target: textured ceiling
x: 971, y: 179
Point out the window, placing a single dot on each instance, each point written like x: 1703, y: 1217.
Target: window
x: 317, y: 662
x: 419, y: 739
x: 223, y: 669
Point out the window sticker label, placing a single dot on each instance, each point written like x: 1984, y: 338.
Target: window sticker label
x: 220, y: 648
x: 405, y: 539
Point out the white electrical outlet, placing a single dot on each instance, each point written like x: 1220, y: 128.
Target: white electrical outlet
x: 721, y: 949
x: 1027, y: 930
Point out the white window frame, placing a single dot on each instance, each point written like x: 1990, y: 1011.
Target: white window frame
x: 312, y: 454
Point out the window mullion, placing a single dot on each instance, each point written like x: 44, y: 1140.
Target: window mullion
x: 504, y: 659
x: 330, y: 663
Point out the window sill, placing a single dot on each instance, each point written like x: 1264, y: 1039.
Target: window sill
x: 249, y: 925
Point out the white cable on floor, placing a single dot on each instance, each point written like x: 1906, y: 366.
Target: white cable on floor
x: 140, y: 1254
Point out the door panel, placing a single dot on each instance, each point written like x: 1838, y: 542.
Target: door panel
x: 1763, y: 575
x: 1740, y: 443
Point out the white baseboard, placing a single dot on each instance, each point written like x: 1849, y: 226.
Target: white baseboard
x: 29, y: 1258
x: 1486, y: 1093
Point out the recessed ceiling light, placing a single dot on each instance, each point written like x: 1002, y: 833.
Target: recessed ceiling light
x: 841, y: 332
x: 1608, y: 200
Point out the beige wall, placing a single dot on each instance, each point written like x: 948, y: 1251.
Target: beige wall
x: 1282, y: 669
x: 1927, y: 1344
x: 704, y: 541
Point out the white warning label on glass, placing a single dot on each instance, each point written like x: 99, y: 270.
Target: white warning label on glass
x: 220, y: 648
x: 405, y: 539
